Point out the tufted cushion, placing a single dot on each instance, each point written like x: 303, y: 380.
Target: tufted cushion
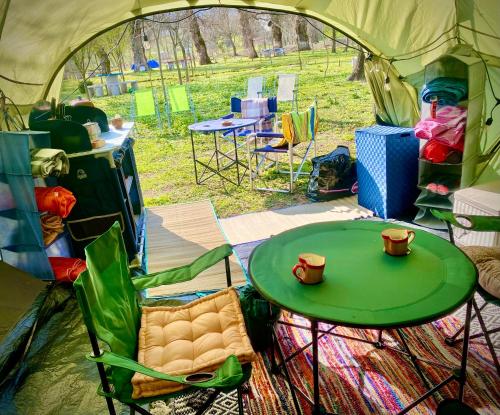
x: 487, y: 260
x: 196, y: 337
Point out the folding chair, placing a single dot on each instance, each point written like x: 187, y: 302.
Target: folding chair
x: 297, y: 128
x: 485, y: 259
x: 179, y: 100
x: 255, y: 87
x: 287, y: 89
x: 202, y: 344
x: 144, y: 103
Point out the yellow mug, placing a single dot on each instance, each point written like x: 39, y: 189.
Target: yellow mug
x: 396, y: 241
x: 309, y: 269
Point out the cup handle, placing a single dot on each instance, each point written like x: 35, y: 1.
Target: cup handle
x: 411, y: 237
x: 295, y: 271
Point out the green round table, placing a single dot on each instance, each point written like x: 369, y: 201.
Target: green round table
x: 363, y: 286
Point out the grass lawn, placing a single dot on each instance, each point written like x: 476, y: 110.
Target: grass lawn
x: 164, y: 156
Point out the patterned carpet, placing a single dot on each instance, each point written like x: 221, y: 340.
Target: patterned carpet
x: 358, y: 379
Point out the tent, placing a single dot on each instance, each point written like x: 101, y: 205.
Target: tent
x: 37, y: 40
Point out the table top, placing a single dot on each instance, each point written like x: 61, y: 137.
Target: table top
x: 363, y: 286
x: 114, y: 139
x: 216, y: 125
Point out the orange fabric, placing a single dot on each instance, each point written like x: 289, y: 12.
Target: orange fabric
x: 54, y: 200
x: 67, y: 269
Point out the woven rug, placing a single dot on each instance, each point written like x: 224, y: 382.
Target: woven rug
x: 356, y: 378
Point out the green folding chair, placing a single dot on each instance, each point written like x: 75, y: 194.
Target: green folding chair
x: 179, y: 100
x: 145, y: 104
x: 108, y: 299
x: 480, y: 224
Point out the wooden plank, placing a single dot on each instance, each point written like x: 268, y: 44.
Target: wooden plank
x: 262, y: 225
x: 177, y: 235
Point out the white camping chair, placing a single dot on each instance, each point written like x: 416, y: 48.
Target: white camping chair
x: 297, y: 128
x: 255, y: 87
x: 288, y: 89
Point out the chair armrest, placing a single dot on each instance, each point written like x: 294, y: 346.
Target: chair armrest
x: 183, y: 273
x: 229, y: 375
x: 469, y: 222
x: 227, y: 116
x: 269, y: 135
x: 269, y: 117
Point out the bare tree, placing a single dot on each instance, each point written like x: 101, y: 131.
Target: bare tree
x: 334, y: 42
x: 198, y: 41
x: 302, y: 37
x: 82, y: 60
x: 247, y: 34
x: 105, y: 63
x: 358, y: 73
x: 139, y: 55
x: 276, y: 31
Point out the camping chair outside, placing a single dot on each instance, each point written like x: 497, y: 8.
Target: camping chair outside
x: 287, y: 89
x: 297, y: 128
x: 179, y: 100
x: 107, y: 296
x: 144, y: 103
x: 481, y: 224
x: 255, y: 87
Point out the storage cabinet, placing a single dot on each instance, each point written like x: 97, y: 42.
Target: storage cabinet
x: 458, y: 175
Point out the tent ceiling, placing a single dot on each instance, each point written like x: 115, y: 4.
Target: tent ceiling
x: 38, y: 37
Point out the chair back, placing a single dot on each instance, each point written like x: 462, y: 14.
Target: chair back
x: 179, y: 99
x: 255, y: 86
x: 300, y: 126
x: 286, y: 87
x: 108, y: 300
x: 272, y: 105
x: 145, y: 102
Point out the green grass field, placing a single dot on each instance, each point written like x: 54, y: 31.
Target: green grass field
x: 164, y: 156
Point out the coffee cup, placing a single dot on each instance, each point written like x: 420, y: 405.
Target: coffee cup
x: 397, y: 241
x: 310, y: 268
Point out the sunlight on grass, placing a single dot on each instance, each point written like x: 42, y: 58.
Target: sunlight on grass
x: 164, y: 157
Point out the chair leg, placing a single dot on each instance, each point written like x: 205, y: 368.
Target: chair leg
x: 241, y: 410
x: 452, y: 340
x: 290, y: 155
x: 208, y: 402
x: 486, y: 336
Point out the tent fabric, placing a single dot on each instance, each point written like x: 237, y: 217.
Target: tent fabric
x: 390, y: 28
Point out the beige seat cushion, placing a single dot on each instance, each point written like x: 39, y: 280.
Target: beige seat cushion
x: 196, y: 337
x: 487, y: 260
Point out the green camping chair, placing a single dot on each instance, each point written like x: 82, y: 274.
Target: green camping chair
x: 107, y: 296
x: 145, y: 104
x: 480, y: 224
x: 179, y: 100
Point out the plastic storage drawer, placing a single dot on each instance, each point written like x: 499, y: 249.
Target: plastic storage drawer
x: 387, y: 164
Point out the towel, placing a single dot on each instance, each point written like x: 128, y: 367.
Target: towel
x: 49, y: 162
x: 448, y: 126
x: 54, y: 200
x: 254, y: 108
x: 51, y: 227
x: 448, y: 91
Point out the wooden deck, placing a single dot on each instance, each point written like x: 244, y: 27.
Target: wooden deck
x: 178, y: 234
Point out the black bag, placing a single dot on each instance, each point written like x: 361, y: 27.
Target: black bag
x: 259, y: 317
x: 333, y: 175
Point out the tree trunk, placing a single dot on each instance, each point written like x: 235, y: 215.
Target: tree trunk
x: 334, y: 42
x: 139, y: 55
x: 104, y: 62
x: 358, y: 73
x: 198, y: 41
x: 346, y: 44
x: 173, y: 38
x: 246, y: 32
x: 184, y: 56
x: 231, y: 43
x: 276, y: 31
x: 302, y: 37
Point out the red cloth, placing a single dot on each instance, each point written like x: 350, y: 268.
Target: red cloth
x: 67, y: 269
x: 437, y: 152
x: 54, y: 200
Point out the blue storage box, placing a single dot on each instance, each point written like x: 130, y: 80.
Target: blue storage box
x: 387, y: 164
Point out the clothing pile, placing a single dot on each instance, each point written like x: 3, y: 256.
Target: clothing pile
x: 448, y: 91
x: 49, y: 162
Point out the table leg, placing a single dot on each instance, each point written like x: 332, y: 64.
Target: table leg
x: 314, y: 334
x: 194, y: 159
x: 465, y: 349
x: 236, y: 157
x: 216, y: 152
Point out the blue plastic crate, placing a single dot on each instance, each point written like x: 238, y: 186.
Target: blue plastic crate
x: 387, y: 165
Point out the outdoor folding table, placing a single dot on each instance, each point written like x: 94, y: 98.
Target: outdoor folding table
x: 365, y: 288
x: 214, y: 126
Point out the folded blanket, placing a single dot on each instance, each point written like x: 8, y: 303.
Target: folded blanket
x: 448, y: 126
x: 448, y: 91
x: 51, y: 227
x: 54, y: 200
x: 67, y: 269
x: 49, y: 162
x: 254, y: 108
